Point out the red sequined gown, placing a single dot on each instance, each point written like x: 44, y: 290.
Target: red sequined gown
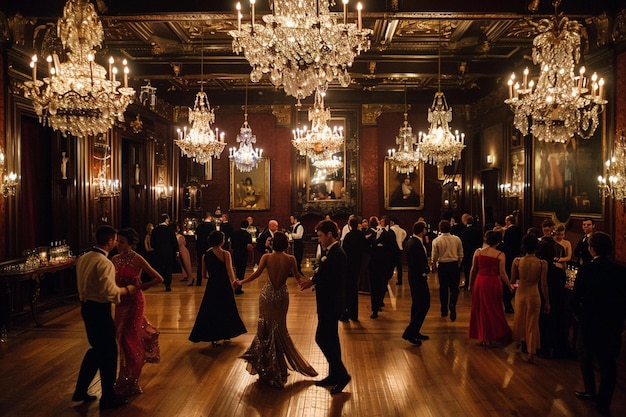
x: 138, y: 339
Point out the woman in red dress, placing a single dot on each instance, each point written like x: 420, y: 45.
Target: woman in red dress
x: 138, y: 339
x: 487, y: 321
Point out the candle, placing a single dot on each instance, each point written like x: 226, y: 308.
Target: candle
x: 345, y: 11
x: 252, y: 12
x: 90, y: 59
x: 125, y: 77
x: 359, y: 8
x: 516, y: 89
x: 111, y: 61
x: 49, y: 61
x: 582, y: 77
x: 222, y: 137
x: 510, y: 88
x: 601, y: 84
x: 238, y: 16
x: 34, y: 67
x: 525, y: 77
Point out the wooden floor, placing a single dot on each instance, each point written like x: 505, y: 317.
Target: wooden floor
x: 449, y: 375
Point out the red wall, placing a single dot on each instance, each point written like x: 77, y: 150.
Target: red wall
x: 620, y: 125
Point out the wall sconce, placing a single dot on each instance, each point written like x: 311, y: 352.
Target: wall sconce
x: 490, y: 158
x: 147, y: 96
x: 9, y: 180
x: 163, y: 192
x: 510, y: 190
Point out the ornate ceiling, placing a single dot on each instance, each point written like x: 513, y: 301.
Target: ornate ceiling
x: 480, y: 44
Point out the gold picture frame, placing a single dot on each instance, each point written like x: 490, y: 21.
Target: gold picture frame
x: 250, y: 190
x: 409, y: 198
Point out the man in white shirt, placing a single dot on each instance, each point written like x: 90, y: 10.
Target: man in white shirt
x: 297, y: 233
x: 447, y: 255
x: 400, y: 237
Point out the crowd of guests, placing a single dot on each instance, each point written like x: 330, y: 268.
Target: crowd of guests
x: 507, y: 273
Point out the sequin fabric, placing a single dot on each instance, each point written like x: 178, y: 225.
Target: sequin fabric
x: 272, y: 352
x: 137, y: 338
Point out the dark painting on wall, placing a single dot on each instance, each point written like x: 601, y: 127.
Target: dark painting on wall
x: 404, y: 191
x: 565, y: 177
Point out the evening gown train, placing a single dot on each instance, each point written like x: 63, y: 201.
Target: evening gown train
x: 218, y: 317
x: 487, y: 320
x: 272, y: 351
x: 138, y: 339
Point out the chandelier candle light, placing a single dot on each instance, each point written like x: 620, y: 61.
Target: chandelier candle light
x: 440, y: 146
x: 613, y: 183
x: 560, y: 104
x: 200, y: 142
x: 407, y: 157
x: 300, y: 45
x: 77, y: 97
x: 9, y: 180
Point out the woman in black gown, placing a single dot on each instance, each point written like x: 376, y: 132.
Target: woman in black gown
x: 218, y: 317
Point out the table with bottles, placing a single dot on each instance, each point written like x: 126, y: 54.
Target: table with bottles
x: 32, y: 268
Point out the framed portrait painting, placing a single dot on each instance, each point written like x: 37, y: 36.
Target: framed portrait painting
x: 250, y: 190
x: 404, y: 191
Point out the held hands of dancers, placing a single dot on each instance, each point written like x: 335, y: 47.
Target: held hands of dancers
x: 236, y: 283
x: 305, y: 283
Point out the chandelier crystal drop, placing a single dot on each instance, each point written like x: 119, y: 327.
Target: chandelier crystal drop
x: 613, y: 182
x: 300, y: 45
x: 321, y: 139
x: 440, y: 146
x: 327, y: 162
x: 77, y: 97
x: 407, y: 157
x: 559, y: 104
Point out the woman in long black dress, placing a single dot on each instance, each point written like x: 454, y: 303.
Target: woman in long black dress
x: 218, y: 317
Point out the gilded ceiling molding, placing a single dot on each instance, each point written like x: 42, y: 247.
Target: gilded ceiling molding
x: 371, y: 112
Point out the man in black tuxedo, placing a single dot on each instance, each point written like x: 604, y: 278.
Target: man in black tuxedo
x: 383, y: 251
x: 354, y: 245
x: 227, y: 229
x: 329, y: 281
x: 297, y: 233
x: 417, y: 261
x: 512, y: 242
x: 163, y: 241
x: 265, y: 240
x: 581, y: 251
x: 203, y: 231
x: 471, y: 239
x: 600, y: 305
x: 241, y: 245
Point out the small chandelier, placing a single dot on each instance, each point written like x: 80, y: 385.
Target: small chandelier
x: 407, y: 157
x: 327, y: 162
x: 246, y: 157
x: 105, y: 187
x: 321, y: 137
x: 440, y: 146
x: 613, y: 182
x: 77, y: 97
x: 9, y: 180
x: 300, y: 45
x: 200, y: 142
x: 561, y: 104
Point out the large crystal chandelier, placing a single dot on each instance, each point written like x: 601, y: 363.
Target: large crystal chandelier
x: 77, y: 97
x: 560, y: 104
x: 246, y: 157
x: 300, y: 45
x: 200, y: 143
x: 613, y: 182
x: 406, y: 158
x: 321, y: 140
x: 440, y: 146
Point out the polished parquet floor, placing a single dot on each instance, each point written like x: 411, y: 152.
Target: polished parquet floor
x: 449, y: 375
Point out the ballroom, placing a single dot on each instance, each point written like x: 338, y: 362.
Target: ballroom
x: 115, y: 112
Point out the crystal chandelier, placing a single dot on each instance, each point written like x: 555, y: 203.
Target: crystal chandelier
x: 321, y: 137
x: 407, y: 157
x: 105, y: 187
x: 200, y: 142
x: 560, y: 104
x: 327, y: 162
x: 9, y: 180
x: 77, y: 97
x: 300, y: 45
x: 613, y: 183
x: 246, y: 157
x: 440, y: 146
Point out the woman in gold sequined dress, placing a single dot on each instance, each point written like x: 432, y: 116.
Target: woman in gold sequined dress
x: 272, y: 351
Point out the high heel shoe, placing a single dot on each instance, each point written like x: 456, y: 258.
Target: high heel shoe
x: 184, y: 279
x: 214, y: 344
x: 530, y: 358
x: 193, y: 280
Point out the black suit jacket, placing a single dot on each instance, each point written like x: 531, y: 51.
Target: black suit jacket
x: 329, y: 282
x: 600, y: 303
x: 471, y: 239
x: 163, y: 241
x: 417, y: 261
x: 581, y: 251
x: 262, y: 240
x: 354, y: 245
x: 203, y: 231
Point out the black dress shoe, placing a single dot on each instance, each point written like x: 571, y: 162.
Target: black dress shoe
x: 326, y: 382
x: 238, y: 290
x: 422, y: 337
x: 337, y: 388
x: 113, y: 402
x: 374, y: 315
x: 86, y: 398
x: 168, y: 289
x: 415, y: 340
x: 584, y: 395
x: 452, y: 313
x: 343, y: 318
